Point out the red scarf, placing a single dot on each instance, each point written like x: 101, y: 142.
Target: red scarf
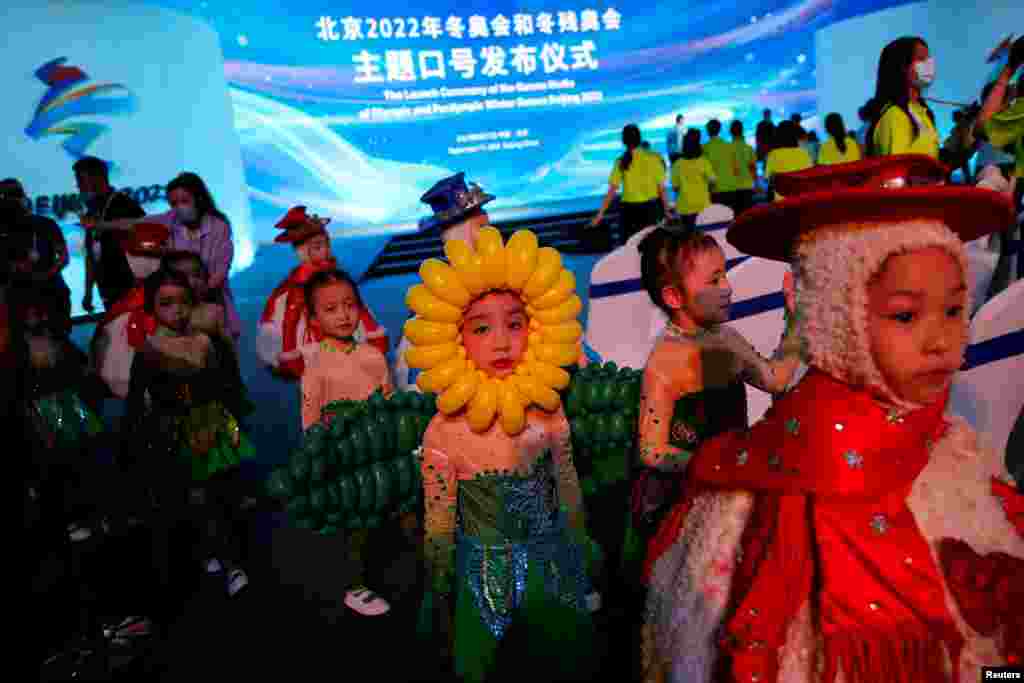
x: 831, y: 528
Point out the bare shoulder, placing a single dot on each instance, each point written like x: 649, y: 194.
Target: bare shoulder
x: 675, y: 358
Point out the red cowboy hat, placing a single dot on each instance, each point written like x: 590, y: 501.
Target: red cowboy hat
x: 877, y: 190
x: 298, y: 226
x: 147, y: 239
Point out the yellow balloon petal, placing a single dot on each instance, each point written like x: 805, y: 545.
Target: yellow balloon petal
x: 558, y: 354
x: 443, y: 281
x: 513, y: 414
x: 425, y: 332
x: 550, y: 375
x: 426, y: 357
x: 563, y: 288
x: 563, y: 313
x: 467, y: 264
x: 549, y: 265
x: 492, y: 255
x: 458, y: 394
x: 543, y: 396
x: 441, y: 377
x: 428, y: 306
x: 565, y: 333
x: 483, y: 407
x: 521, y: 258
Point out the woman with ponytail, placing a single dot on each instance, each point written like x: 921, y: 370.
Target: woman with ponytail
x: 641, y: 174
x: 841, y: 147
x: 903, y: 124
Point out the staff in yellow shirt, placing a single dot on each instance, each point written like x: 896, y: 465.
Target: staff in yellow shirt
x: 744, y: 169
x: 787, y: 155
x: 692, y: 178
x: 642, y: 177
x: 841, y: 147
x: 1004, y: 125
x: 905, y: 124
x: 720, y: 154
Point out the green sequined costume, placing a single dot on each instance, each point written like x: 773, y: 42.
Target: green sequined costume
x: 508, y: 545
x: 186, y: 413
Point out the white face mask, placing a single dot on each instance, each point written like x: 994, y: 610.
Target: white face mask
x: 924, y: 73
x: 186, y: 214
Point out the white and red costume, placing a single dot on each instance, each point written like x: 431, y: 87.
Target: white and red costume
x: 283, y: 329
x: 850, y: 536
x: 126, y: 325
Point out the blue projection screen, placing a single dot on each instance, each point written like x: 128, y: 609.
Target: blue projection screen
x: 355, y: 109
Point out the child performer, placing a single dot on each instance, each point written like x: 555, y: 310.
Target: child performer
x: 857, y: 533
x: 283, y: 326
x: 125, y: 325
x: 339, y: 368
x: 181, y: 425
x: 505, y: 530
x: 698, y: 358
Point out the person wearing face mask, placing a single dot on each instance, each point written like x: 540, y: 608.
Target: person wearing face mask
x: 904, y: 123
x: 106, y: 265
x: 197, y: 225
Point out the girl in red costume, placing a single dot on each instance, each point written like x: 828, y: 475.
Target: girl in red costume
x: 283, y: 326
x: 858, y: 533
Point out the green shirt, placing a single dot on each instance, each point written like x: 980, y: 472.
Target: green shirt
x: 641, y: 181
x: 691, y: 179
x: 744, y: 156
x: 1007, y: 127
x: 895, y: 135
x: 720, y: 154
x: 830, y: 153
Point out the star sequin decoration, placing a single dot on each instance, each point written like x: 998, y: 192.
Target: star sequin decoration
x: 793, y: 426
x: 774, y: 461
x: 742, y: 457
x: 854, y: 459
x: 880, y: 524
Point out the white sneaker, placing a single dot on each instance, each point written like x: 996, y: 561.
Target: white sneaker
x: 213, y: 566
x: 366, y: 602
x: 237, y: 580
x: 593, y: 601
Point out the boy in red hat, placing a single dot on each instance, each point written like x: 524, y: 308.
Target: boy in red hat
x: 283, y: 327
x: 858, y: 532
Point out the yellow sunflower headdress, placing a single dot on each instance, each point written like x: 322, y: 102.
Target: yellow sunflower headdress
x: 549, y: 292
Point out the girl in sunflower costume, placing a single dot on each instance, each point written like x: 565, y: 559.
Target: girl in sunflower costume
x: 181, y: 426
x: 506, y: 540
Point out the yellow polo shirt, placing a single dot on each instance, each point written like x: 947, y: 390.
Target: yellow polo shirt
x: 720, y: 154
x: 691, y: 178
x: 895, y: 135
x: 641, y: 181
x: 743, y: 156
x: 786, y: 160
x: 830, y: 153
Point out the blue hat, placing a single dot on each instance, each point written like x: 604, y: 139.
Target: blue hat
x: 452, y: 201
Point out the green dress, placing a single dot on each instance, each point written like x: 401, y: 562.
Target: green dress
x: 519, y: 577
x: 188, y: 413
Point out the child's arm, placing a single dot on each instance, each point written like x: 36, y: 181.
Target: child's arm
x: 662, y: 387
x: 440, y: 487
x: 569, y: 495
x: 312, y: 395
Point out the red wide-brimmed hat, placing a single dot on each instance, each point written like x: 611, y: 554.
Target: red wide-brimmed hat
x: 878, y: 190
x: 148, y: 239
x: 298, y: 226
